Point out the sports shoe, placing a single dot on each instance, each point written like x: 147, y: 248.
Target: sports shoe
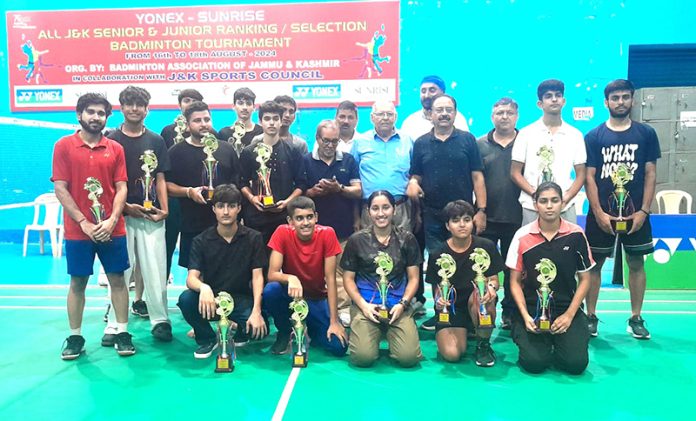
x: 282, y: 344
x: 73, y: 347
x: 162, y: 331
x: 592, y: 323
x: 240, y: 337
x: 139, y: 308
x: 636, y: 327
x: 429, y: 324
x: 344, y: 318
x: 205, y: 350
x: 108, y: 340
x: 124, y: 344
x: 418, y: 308
x: 485, y: 357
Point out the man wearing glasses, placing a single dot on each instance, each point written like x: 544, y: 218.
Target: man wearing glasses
x: 446, y: 166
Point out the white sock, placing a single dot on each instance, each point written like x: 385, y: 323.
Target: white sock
x: 121, y: 327
x: 77, y: 331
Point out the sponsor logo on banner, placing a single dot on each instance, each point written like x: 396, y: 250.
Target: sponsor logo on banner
x: 332, y: 91
x: 22, y: 22
x: 39, y: 96
x: 583, y: 113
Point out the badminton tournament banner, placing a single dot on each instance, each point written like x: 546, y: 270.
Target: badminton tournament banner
x: 318, y: 53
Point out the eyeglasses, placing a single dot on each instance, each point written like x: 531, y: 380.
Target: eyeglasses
x: 330, y: 141
x: 384, y: 114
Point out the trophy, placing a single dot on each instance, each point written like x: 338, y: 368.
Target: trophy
x: 547, y: 273
x: 447, y: 267
x: 180, y: 128
x: 149, y: 160
x: 546, y: 157
x: 210, y: 145
x: 225, y: 360
x: 385, y: 265
x: 238, y: 132
x: 299, y: 309
x: 263, y: 155
x: 482, y: 261
x: 94, y: 187
x: 620, y: 204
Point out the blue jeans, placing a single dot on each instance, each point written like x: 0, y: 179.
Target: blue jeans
x: 188, y: 303
x: 276, y: 303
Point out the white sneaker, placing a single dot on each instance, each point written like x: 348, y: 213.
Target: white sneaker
x: 344, y: 319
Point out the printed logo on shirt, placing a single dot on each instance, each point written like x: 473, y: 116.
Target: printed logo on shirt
x: 614, y: 155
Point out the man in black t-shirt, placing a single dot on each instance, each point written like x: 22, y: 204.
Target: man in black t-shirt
x: 144, y: 226
x: 187, y: 178
x: 464, y: 309
x: 227, y: 257
x: 244, y: 107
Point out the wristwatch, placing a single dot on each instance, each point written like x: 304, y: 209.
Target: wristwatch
x: 405, y: 303
x: 481, y: 210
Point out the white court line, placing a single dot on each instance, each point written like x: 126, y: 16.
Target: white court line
x: 66, y: 286
x: 285, y: 396
x: 100, y: 308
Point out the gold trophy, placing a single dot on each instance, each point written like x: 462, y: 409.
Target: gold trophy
x: 620, y: 201
x: 210, y: 145
x: 238, y: 132
x: 263, y: 155
x: 95, y: 190
x: 225, y: 360
x: 482, y: 261
x: 547, y: 273
x: 300, y: 310
x: 149, y: 160
x: 385, y: 265
x: 546, y: 157
x: 447, y: 267
x: 180, y: 126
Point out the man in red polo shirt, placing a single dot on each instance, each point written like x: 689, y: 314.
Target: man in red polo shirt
x: 303, y: 265
x: 87, y: 153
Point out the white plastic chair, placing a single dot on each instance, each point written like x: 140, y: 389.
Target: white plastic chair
x: 580, y: 200
x: 668, y: 201
x: 51, y: 223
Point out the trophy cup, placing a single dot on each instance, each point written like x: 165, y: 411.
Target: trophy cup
x: 149, y: 160
x: 299, y: 309
x: 620, y: 203
x: 546, y: 157
x: 238, y: 132
x: 225, y: 360
x: 95, y: 190
x: 180, y: 128
x: 482, y: 261
x: 263, y: 155
x: 210, y: 145
x: 547, y: 273
x: 447, y: 267
x: 385, y: 265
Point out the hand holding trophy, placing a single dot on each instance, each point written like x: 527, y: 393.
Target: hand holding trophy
x: 482, y: 261
x: 149, y: 160
x: 620, y: 201
x: 180, y: 128
x: 547, y: 273
x: 210, y: 145
x: 94, y: 192
x: 238, y: 132
x: 263, y: 155
x: 300, y: 310
x: 385, y: 265
x: 447, y: 269
x: 546, y: 158
x: 225, y: 360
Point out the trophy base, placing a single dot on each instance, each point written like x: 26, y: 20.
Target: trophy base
x: 224, y: 364
x: 299, y: 360
x: 147, y: 205
x: 620, y: 226
x: 384, y: 315
x: 209, y: 193
x: 544, y: 325
x: 443, y: 318
x: 268, y: 202
x: 485, y: 321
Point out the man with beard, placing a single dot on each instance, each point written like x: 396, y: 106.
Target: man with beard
x: 169, y: 133
x: 185, y: 177
x: 244, y: 106
x: 347, y: 121
x: 77, y: 160
x: 144, y: 226
x: 446, y: 166
x: 418, y: 123
x: 620, y: 140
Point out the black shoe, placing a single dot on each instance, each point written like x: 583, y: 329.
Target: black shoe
x: 282, y: 344
x: 485, y: 357
x: 124, y: 344
x: 430, y: 323
x: 205, y: 350
x: 108, y: 340
x: 139, y: 308
x: 592, y: 324
x: 73, y: 347
x: 636, y: 327
x: 241, y: 337
x: 162, y: 331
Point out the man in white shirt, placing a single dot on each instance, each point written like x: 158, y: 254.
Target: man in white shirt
x: 347, y: 121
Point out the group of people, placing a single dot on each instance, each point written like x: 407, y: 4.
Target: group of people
x: 262, y: 217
